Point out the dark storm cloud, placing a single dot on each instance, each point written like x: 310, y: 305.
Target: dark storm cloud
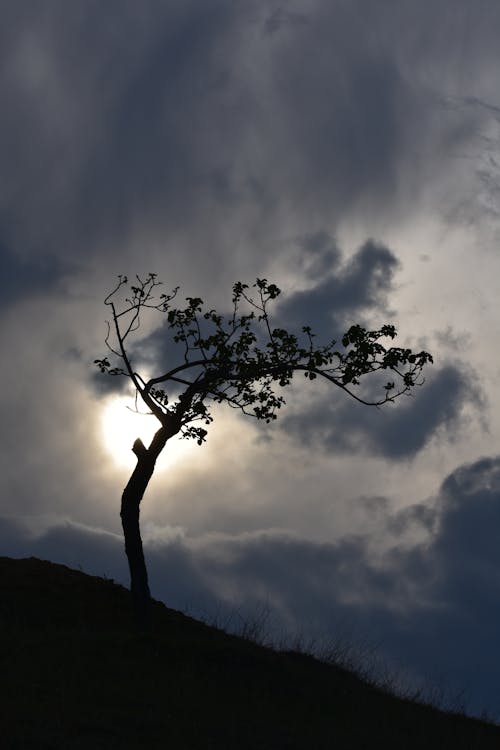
x: 109, y: 120
x: 432, y: 608
x: 347, y: 112
x: 341, y: 290
x: 397, y: 431
x: 123, y: 119
x: 151, y: 141
x: 467, y: 543
x: 459, y: 578
x: 360, y: 88
x: 320, y: 255
x: 23, y: 278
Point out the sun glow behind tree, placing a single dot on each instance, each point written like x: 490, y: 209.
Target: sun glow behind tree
x: 121, y: 424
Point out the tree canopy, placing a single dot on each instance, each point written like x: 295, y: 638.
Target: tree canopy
x: 241, y: 359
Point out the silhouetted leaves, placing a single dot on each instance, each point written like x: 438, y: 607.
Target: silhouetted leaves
x: 240, y: 359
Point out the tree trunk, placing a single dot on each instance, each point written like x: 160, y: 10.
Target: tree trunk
x: 130, y: 508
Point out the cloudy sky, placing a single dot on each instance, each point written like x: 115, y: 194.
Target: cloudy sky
x: 348, y: 151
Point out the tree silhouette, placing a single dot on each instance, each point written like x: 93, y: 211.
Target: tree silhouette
x: 239, y: 359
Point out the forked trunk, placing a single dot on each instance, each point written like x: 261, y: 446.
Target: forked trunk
x: 130, y: 509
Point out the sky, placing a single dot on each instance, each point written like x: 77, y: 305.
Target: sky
x: 350, y: 153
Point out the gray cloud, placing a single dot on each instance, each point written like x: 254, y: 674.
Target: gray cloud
x: 341, y: 291
x: 94, y: 142
x: 166, y: 126
x: 397, y: 431
x: 26, y: 277
x: 467, y: 541
x: 345, y: 108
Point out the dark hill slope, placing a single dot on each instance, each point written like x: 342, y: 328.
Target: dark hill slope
x: 74, y: 674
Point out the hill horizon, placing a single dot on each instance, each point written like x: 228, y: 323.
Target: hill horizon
x: 77, y: 674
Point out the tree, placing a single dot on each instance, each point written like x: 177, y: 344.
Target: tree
x: 240, y: 360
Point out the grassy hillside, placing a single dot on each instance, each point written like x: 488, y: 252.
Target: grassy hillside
x: 74, y: 674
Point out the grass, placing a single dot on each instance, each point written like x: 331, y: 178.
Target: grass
x: 75, y: 674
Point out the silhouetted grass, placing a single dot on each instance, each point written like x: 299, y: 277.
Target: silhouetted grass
x: 75, y: 674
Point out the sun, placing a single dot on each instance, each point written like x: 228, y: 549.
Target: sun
x: 121, y: 426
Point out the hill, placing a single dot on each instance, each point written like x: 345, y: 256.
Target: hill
x: 75, y: 674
